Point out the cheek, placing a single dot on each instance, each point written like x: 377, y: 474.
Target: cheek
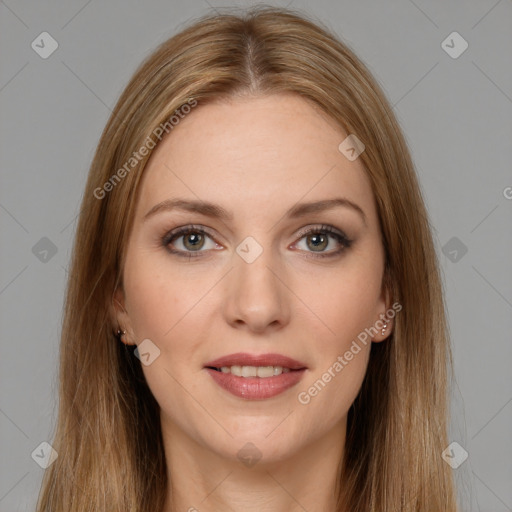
x: 340, y: 357
x: 344, y: 299
x: 158, y: 298
x: 163, y: 306
x: 345, y: 302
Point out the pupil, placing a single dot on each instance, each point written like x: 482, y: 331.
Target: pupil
x: 192, y: 240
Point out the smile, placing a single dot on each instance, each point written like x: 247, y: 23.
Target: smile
x: 255, y: 376
x: 262, y: 372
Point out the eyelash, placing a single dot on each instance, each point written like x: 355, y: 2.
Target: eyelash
x: 339, y: 236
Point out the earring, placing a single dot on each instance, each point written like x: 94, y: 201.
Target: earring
x: 120, y: 335
x: 384, y: 327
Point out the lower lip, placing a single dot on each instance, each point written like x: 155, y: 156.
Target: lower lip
x: 256, y: 388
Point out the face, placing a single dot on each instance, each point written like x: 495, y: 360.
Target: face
x: 258, y: 273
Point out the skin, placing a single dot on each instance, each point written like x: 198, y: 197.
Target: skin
x: 256, y: 157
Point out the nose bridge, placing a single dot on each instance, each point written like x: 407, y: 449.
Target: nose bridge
x: 256, y: 296
x: 253, y: 265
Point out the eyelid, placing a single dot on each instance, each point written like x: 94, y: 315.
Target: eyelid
x: 321, y: 228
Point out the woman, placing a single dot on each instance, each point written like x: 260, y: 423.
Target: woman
x: 254, y: 318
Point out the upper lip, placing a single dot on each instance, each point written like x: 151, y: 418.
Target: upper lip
x: 243, y: 359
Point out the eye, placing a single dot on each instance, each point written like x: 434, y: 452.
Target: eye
x: 318, y: 239
x: 188, y: 240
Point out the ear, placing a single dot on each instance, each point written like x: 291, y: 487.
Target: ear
x: 384, y: 322
x: 120, y: 318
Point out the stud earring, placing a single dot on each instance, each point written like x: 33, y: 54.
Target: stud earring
x: 120, y: 335
x: 384, y: 327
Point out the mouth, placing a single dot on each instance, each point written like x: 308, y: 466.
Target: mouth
x: 262, y: 372
x: 256, y: 377
x: 250, y: 361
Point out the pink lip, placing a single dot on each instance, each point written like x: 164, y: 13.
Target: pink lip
x: 243, y: 359
x: 256, y: 388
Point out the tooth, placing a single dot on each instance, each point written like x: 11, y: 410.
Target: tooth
x: 265, y: 371
x: 236, y: 370
x: 249, y: 371
x: 254, y: 371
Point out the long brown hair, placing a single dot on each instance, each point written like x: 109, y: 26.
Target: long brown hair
x: 108, y: 436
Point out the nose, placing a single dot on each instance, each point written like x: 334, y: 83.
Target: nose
x: 257, y: 298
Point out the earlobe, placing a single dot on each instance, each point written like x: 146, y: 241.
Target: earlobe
x: 119, y: 318
x: 384, y: 326
x: 120, y: 335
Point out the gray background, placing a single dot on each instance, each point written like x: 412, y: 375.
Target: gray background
x: 456, y: 114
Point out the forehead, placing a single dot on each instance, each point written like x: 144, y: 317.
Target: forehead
x: 249, y: 154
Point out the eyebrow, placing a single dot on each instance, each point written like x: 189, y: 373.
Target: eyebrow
x: 216, y: 211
